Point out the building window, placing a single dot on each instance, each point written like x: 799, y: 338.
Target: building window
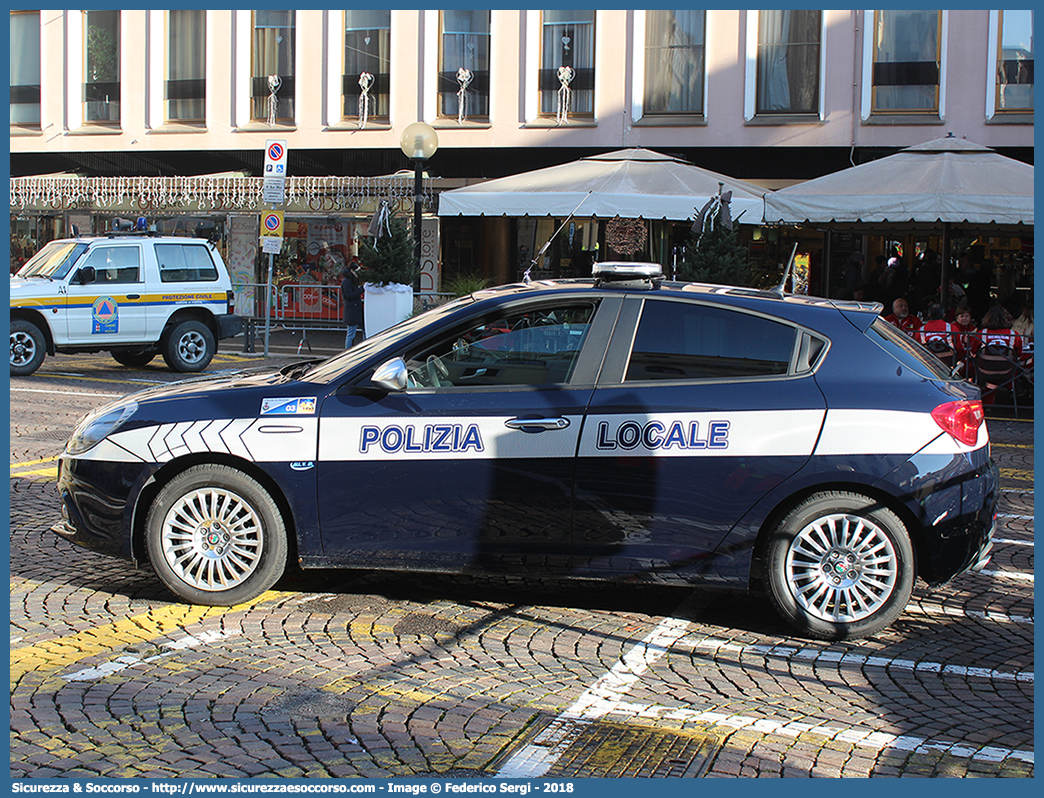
x: 185, y: 89
x: 367, y: 64
x: 674, y: 62
x: 101, y: 69
x: 464, y: 64
x: 25, y: 68
x: 1014, y: 62
x: 788, y: 62
x: 567, y: 50
x: 272, y: 55
x: 906, y: 52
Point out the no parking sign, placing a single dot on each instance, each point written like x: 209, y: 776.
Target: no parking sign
x: 272, y: 224
x: 275, y: 158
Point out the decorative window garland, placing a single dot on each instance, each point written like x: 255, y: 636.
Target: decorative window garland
x: 158, y: 193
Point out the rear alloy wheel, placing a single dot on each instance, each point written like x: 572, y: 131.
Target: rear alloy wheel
x: 215, y: 536
x: 190, y: 346
x: 134, y: 359
x: 27, y: 347
x: 840, y: 566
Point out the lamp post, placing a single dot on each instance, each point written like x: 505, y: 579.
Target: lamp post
x: 418, y: 142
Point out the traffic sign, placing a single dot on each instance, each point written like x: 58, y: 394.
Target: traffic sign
x: 272, y: 224
x: 275, y: 158
x: 273, y: 190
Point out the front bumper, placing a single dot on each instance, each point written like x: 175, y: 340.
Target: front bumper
x: 97, y: 503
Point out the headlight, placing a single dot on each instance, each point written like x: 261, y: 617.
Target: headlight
x: 97, y: 425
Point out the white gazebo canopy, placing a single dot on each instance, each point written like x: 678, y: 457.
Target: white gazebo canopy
x: 632, y: 183
x: 948, y: 181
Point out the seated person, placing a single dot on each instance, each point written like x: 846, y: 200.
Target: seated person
x: 902, y: 318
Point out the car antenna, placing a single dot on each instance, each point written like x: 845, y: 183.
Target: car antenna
x: 543, y: 249
x: 786, y: 272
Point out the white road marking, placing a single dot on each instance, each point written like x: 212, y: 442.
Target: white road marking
x: 66, y: 393
x: 1009, y: 575
x: 842, y: 658
x: 957, y: 612
x: 128, y: 661
x: 596, y: 702
x: 863, y: 738
x: 1017, y: 517
x: 1013, y: 542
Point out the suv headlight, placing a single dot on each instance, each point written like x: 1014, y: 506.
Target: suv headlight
x: 98, y: 424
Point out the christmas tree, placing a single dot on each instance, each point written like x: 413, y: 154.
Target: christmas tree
x: 389, y: 258
x: 713, y: 254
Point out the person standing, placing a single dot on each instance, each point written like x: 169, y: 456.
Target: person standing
x: 351, y: 305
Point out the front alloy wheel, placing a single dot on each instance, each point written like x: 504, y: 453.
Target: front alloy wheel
x: 215, y: 536
x: 840, y: 566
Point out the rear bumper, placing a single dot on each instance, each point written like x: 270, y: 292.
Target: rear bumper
x: 228, y: 325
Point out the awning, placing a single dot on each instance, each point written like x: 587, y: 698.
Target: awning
x: 629, y: 183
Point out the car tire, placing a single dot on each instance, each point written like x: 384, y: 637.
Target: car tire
x: 28, y: 347
x: 215, y: 536
x: 190, y: 346
x: 134, y: 359
x: 840, y: 566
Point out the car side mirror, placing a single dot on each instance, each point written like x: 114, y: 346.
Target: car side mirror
x: 391, y: 375
x: 86, y: 275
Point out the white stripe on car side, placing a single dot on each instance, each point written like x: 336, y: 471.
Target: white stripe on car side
x: 756, y: 433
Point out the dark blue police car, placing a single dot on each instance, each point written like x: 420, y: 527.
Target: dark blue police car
x: 620, y: 428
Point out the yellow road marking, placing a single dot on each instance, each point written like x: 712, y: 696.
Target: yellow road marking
x: 1012, y: 445
x: 50, y: 656
x: 1017, y: 473
x: 50, y: 473
x: 35, y: 462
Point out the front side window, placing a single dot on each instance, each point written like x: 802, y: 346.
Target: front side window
x: 674, y: 62
x: 25, y: 68
x: 685, y: 341
x: 181, y: 263
x: 533, y: 347
x: 115, y: 264
x: 906, y: 50
x: 101, y: 70
x: 464, y: 64
x: 273, y: 52
x: 185, y: 89
x: 1015, y: 62
x: 567, y: 75
x: 788, y: 62
x: 366, y: 82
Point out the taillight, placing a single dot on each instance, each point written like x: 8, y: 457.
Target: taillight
x: 231, y: 301
x: 961, y: 419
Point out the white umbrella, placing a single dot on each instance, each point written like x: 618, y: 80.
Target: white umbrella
x: 948, y: 181
x: 629, y: 183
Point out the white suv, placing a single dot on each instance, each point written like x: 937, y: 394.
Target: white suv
x: 133, y: 295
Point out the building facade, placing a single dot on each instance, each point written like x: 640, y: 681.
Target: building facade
x: 165, y: 113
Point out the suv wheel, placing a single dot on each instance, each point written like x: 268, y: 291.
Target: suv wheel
x: 840, y: 566
x: 27, y: 347
x: 190, y: 346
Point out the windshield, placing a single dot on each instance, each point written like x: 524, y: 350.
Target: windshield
x: 331, y: 369
x: 907, y: 351
x: 54, y: 260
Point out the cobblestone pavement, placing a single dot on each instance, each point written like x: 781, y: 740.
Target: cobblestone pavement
x: 337, y: 674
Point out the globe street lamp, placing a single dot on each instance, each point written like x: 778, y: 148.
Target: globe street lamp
x: 418, y: 142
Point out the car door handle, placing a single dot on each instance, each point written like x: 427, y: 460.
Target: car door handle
x: 527, y: 424
x: 133, y: 296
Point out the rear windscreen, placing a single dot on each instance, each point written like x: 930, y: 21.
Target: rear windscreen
x: 907, y: 351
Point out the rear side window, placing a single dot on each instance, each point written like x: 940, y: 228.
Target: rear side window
x: 185, y: 263
x: 906, y: 350
x: 682, y: 341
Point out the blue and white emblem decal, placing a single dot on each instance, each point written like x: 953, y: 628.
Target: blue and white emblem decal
x: 302, y: 465
x: 105, y: 315
x: 298, y: 406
